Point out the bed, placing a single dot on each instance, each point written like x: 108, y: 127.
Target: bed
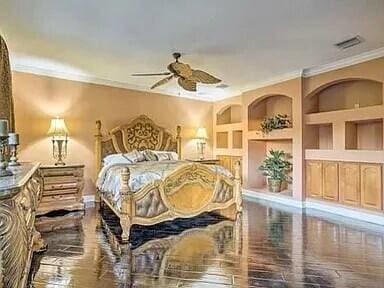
x: 150, y: 192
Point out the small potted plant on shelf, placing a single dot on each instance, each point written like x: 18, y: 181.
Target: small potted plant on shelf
x: 280, y: 121
x: 276, y: 168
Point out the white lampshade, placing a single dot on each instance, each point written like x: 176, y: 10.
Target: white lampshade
x: 201, y: 133
x: 58, y: 128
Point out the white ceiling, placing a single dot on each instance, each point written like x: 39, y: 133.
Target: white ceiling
x: 243, y: 42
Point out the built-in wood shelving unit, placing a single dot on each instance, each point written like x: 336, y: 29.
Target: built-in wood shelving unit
x: 229, y: 131
x: 228, y: 128
x: 343, y: 140
x: 259, y: 143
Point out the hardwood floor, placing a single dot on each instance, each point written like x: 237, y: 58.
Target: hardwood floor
x: 270, y: 247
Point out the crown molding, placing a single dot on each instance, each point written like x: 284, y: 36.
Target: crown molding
x: 274, y: 80
x: 19, y: 67
x: 353, y: 60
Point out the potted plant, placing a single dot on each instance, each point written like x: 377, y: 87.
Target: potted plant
x: 279, y: 121
x: 276, y: 168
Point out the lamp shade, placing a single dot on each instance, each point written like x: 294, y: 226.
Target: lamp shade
x: 58, y: 128
x: 201, y: 133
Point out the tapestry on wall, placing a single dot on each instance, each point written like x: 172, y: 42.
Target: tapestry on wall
x: 6, y: 101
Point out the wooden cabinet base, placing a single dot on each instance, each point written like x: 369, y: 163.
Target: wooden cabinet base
x: 355, y: 184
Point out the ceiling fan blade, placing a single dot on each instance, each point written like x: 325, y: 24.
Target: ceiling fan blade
x: 162, y: 82
x: 187, y: 84
x: 203, y: 77
x: 152, y: 74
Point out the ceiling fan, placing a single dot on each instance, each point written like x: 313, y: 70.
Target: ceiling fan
x: 187, y: 77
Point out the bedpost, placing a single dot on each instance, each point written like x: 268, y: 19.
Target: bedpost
x: 98, y: 160
x: 126, y: 205
x: 98, y: 137
x: 239, y: 200
x: 178, y: 140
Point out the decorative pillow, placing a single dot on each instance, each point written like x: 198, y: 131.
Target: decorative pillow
x: 165, y: 155
x: 127, y: 158
x: 135, y: 156
x: 117, y: 158
x: 149, y: 155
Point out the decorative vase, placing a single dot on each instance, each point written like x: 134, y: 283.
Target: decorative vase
x: 274, y: 185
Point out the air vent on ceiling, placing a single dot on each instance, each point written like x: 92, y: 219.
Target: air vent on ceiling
x: 349, y: 42
x: 222, y: 86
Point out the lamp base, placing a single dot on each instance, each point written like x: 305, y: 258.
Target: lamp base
x: 60, y: 163
x: 13, y: 163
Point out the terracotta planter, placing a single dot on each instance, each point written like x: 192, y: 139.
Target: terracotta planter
x: 274, y: 185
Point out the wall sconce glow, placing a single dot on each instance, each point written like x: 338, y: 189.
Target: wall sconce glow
x: 59, y: 133
x: 201, y: 136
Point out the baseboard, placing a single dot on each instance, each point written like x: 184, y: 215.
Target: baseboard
x: 281, y: 199
x: 346, y: 211
x: 89, y: 198
x: 332, y: 208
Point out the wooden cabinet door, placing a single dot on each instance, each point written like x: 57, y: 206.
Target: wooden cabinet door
x: 314, y: 179
x: 370, y: 184
x: 330, y: 181
x: 349, y: 183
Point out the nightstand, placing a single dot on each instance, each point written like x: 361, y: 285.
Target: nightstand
x: 62, y: 188
x: 205, y: 161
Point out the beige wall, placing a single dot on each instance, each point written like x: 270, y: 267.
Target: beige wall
x: 38, y: 99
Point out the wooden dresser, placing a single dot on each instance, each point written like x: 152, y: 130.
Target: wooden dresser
x: 62, y: 188
x: 20, y: 195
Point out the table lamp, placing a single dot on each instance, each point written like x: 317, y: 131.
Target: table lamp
x: 59, y: 133
x: 201, y: 136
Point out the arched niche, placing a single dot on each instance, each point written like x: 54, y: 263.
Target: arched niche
x: 229, y: 114
x: 268, y: 106
x: 345, y: 94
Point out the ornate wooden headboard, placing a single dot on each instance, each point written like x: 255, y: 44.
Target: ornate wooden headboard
x: 6, y: 101
x: 141, y: 133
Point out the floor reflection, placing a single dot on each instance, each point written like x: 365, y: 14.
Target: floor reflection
x: 271, y: 247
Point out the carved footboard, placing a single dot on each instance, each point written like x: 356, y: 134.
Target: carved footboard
x: 186, y: 192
